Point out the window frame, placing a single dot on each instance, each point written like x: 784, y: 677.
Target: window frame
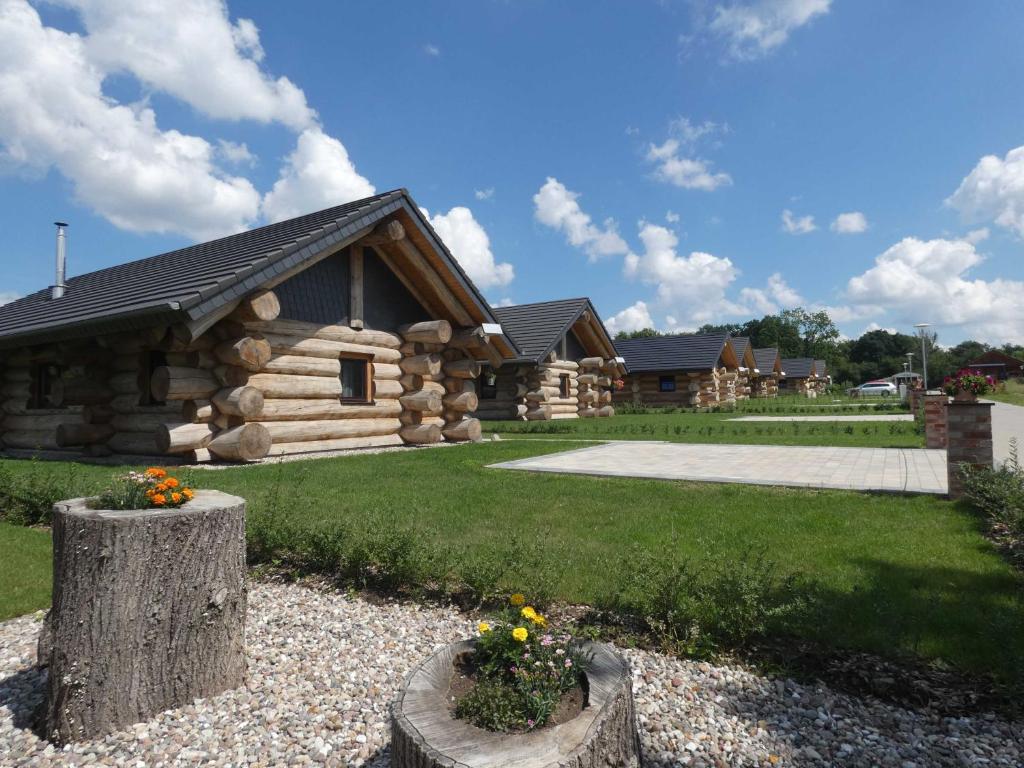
x: 41, y: 378
x: 488, y: 391
x: 565, y: 385
x: 367, y: 360
x: 149, y: 361
x: 667, y: 378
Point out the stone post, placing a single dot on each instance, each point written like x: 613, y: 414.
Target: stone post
x: 969, y: 440
x: 914, y: 400
x: 935, y: 420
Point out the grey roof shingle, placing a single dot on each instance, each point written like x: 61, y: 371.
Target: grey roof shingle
x: 683, y: 352
x: 191, y: 282
x: 765, y: 359
x: 798, y: 367
x: 740, y: 344
x: 819, y: 368
x: 536, y: 328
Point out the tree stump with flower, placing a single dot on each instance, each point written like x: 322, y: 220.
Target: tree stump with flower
x: 149, y: 603
x: 515, y: 714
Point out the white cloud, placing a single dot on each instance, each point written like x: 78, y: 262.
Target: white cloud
x: 503, y: 302
x: 630, y: 319
x: 685, y: 172
x: 690, y: 286
x: 317, y: 174
x: 556, y: 206
x: 236, y: 153
x: 775, y: 296
x: 484, y: 194
x: 690, y: 132
x: 191, y: 50
x: 632, y: 130
x: 977, y: 235
x: 431, y: 50
x: 797, y: 225
x: 873, y: 326
x: 6, y: 297
x: 469, y: 243
x: 755, y: 29
x: 851, y: 223
x: 928, y: 281
x: 671, y: 217
x: 53, y: 113
x: 994, y: 191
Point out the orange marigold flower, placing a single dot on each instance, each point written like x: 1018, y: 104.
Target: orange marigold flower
x: 517, y: 599
x: 156, y: 472
x: 176, y: 497
x: 187, y: 493
x: 149, y: 493
x: 160, y: 487
x: 171, y: 482
x: 158, y: 499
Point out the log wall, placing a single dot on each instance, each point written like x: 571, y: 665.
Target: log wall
x: 693, y: 389
x: 534, y: 392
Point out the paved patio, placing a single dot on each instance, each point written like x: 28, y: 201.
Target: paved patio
x: 910, y: 470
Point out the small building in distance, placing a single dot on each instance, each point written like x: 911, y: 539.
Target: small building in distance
x: 691, y: 370
x: 748, y: 366
x: 566, y: 369
x: 768, y: 364
x: 999, y: 365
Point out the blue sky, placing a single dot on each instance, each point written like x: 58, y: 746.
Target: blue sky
x: 662, y: 158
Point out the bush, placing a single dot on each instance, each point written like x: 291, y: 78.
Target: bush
x: 998, y: 494
x: 701, y: 610
x: 27, y: 495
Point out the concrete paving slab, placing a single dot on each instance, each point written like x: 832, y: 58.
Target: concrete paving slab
x: 858, y: 417
x: 1007, y: 422
x: 908, y: 470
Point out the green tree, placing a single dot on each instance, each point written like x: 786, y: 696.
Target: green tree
x: 643, y: 333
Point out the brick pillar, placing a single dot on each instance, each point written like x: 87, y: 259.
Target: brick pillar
x: 914, y: 399
x: 969, y: 440
x: 935, y: 420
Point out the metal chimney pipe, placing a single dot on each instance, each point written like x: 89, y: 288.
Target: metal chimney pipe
x: 60, y: 286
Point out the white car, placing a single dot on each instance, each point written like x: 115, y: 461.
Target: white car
x: 875, y: 389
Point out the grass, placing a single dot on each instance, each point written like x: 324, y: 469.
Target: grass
x: 24, y: 570
x: 894, y: 574
x: 1011, y: 392
x: 690, y: 427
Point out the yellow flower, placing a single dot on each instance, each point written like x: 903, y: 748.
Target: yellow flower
x: 539, y: 620
x: 483, y: 626
x: 176, y: 497
x: 520, y: 634
x: 517, y: 599
x: 528, y: 612
x: 187, y: 493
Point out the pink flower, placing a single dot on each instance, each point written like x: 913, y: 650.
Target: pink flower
x: 568, y: 663
x: 529, y: 723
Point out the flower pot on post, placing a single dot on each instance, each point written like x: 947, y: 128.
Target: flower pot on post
x: 424, y: 732
x: 148, y: 611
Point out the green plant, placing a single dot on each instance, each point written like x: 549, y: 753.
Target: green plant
x: 522, y: 669
x: 27, y: 495
x: 999, y: 495
x: 967, y: 380
x: 152, y: 489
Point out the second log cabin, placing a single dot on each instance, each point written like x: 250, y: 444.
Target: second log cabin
x: 567, y: 366
x: 347, y: 328
x: 765, y: 382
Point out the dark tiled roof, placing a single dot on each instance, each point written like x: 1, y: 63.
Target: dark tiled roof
x: 536, y: 328
x: 819, y: 368
x: 683, y: 352
x: 191, y: 282
x: 740, y: 344
x: 765, y: 359
x: 798, y: 367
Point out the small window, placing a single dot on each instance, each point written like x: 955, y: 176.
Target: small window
x: 43, y: 377
x: 488, y: 385
x: 150, y: 362
x: 356, y: 383
x: 666, y: 383
x: 564, y: 384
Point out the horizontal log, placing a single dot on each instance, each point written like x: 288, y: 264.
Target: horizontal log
x: 248, y: 442
x: 428, y: 332
x: 125, y: 404
x: 422, y: 365
x: 588, y: 397
x: 311, y: 410
x: 461, y: 401
x: 198, y: 456
x: 261, y: 306
x: 32, y: 420
x: 606, y: 411
x: 231, y: 375
x: 604, y: 381
x: 341, y: 444
x: 98, y: 414
x: 566, y: 415
x: 198, y: 411
x: 541, y: 394
x: 386, y: 389
x: 462, y: 369
x: 303, y: 365
x: 79, y: 391
x: 420, y: 417
x: 32, y: 439
x: 143, y: 422
x: 590, y: 379
x: 563, y: 408
x: 387, y: 371
x: 468, y: 338
x: 420, y: 434
x: 329, y: 429
x: 286, y: 385
x: 313, y: 347
x: 249, y: 352
x: 195, y: 359
x: 605, y: 397
x: 182, y: 437
x: 133, y: 443
x: 423, y: 400
x: 246, y: 402
x: 173, y: 383
x: 591, y: 362
x: 462, y: 430
x: 540, y: 412
x: 561, y: 366
x: 342, y: 333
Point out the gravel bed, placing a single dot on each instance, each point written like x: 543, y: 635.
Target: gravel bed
x: 324, y: 667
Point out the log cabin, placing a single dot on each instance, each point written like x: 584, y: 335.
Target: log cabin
x: 691, y: 370
x: 747, y: 366
x: 999, y: 365
x: 351, y: 327
x: 567, y: 366
x: 768, y: 364
x: 801, y: 376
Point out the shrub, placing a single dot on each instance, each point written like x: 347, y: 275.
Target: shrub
x: 27, y: 495
x: 998, y: 494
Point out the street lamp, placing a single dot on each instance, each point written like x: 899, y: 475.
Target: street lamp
x: 924, y: 354
x: 910, y: 362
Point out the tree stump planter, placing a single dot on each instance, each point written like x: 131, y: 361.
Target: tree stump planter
x: 425, y: 734
x: 148, y: 612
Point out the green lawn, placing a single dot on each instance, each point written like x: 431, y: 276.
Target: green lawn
x: 24, y: 570
x: 690, y: 427
x: 895, y: 574
x: 1011, y: 392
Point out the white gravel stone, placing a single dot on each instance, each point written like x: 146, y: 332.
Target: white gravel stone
x: 323, y: 668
